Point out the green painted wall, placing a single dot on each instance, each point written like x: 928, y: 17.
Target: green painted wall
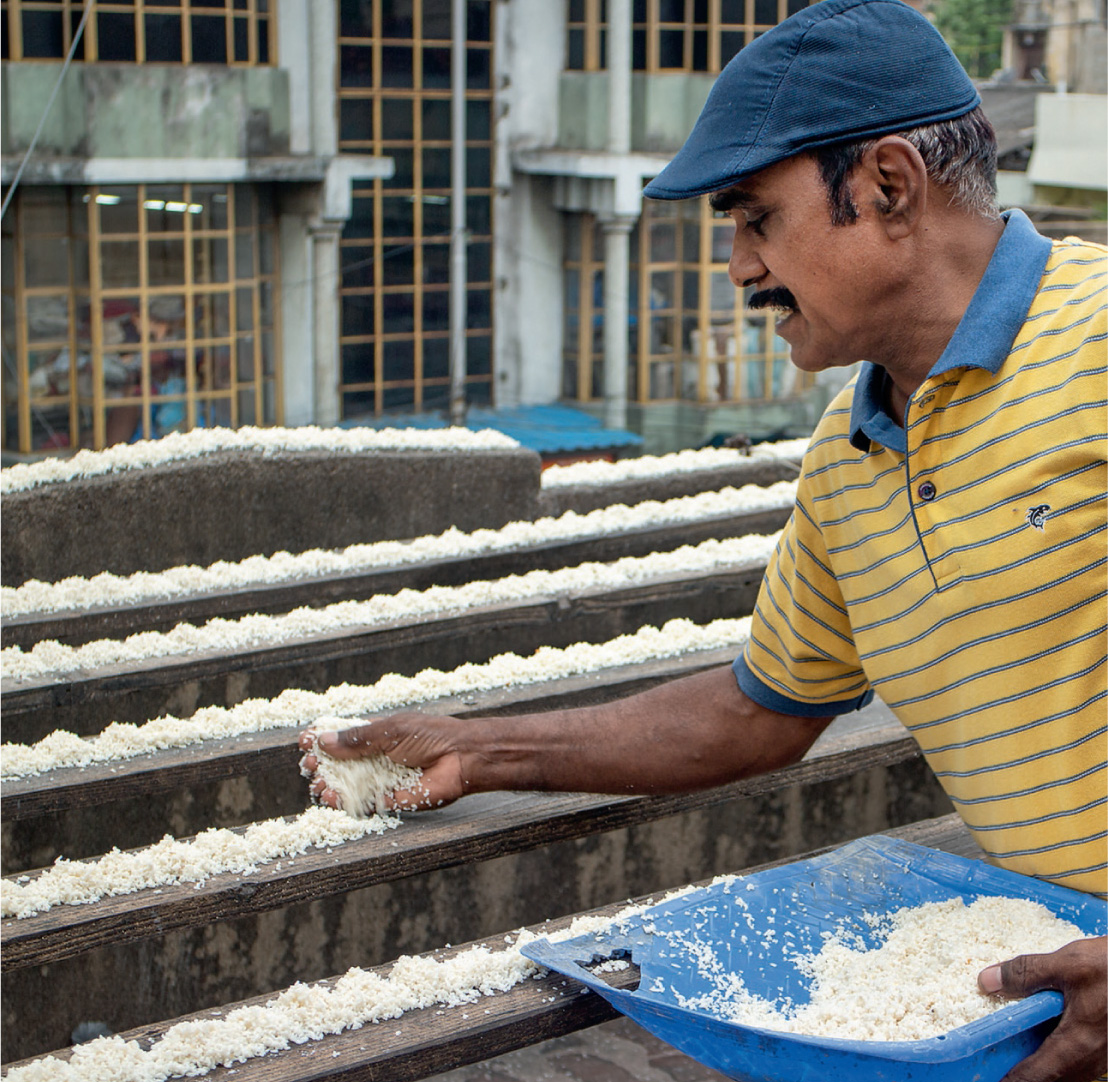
x: 146, y: 111
x: 663, y: 109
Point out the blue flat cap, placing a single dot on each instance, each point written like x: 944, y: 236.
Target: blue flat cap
x: 836, y: 71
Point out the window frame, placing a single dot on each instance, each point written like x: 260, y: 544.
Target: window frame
x: 216, y: 397
x: 380, y: 243
x: 739, y: 371
x: 257, y: 16
x: 649, y: 27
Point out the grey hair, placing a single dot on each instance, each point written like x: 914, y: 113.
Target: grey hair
x: 960, y: 155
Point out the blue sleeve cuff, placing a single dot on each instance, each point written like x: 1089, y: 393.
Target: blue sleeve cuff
x: 753, y: 688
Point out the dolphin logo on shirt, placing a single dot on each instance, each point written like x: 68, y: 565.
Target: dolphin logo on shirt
x: 1037, y: 516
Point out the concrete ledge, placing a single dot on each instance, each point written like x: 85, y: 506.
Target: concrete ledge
x: 233, y: 504
x: 585, y: 498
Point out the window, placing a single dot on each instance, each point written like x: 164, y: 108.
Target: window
x: 395, y: 101
x: 587, y: 29
x: 583, y: 308
x: 141, y: 31
x: 134, y: 311
x: 674, y: 35
x: 691, y: 335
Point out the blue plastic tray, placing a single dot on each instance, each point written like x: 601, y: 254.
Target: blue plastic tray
x: 875, y: 874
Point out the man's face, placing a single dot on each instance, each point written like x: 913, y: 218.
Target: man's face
x: 830, y: 283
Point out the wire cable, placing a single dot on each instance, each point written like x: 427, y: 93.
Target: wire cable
x: 49, y: 104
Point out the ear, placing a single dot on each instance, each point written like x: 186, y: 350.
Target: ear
x: 896, y: 180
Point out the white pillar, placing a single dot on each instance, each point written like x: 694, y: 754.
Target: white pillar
x: 325, y: 230
x: 617, y: 229
x: 458, y: 271
x: 617, y: 252
x: 322, y: 34
x: 295, y: 314
x: 619, y: 76
x: 294, y: 57
x: 325, y: 325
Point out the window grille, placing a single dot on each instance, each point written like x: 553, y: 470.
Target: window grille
x: 691, y: 335
x: 394, y: 101
x: 673, y: 35
x: 133, y: 311
x: 237, y: 32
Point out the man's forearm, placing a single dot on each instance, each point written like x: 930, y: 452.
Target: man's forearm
x: 686, y: 734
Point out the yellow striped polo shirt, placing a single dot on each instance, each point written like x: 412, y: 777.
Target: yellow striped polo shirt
x: 957, y: 565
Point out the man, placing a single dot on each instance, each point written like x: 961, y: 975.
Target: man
x: 947, y: 549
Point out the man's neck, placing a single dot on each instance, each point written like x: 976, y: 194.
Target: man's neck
x: 935, y: 304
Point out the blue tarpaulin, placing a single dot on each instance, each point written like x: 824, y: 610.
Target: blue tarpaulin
x: 550, y: 430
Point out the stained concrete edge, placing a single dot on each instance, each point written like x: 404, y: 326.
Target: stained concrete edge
x: 233, y: 504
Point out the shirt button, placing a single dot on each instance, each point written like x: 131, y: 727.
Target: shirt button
x: 927, y: 491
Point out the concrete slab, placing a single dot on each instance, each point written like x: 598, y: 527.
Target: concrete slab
x: 618, y: 1051
x: 232, y: 504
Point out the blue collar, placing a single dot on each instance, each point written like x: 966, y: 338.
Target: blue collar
x: 983, y: 339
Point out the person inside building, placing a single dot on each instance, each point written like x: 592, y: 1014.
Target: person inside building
x: 164, y: 322
x: 947, y: 548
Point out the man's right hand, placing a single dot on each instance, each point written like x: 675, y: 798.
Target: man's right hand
x: 683, y: 735
x: 415, y: 740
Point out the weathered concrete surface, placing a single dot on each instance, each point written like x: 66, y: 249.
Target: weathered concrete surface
x: 618, y: 1051
x: 230, y: 505
x: 107, y: 622
x: 124, y: 110
x: 220, y: 963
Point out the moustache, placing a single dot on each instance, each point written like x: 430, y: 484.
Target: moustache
x: 778, y: 297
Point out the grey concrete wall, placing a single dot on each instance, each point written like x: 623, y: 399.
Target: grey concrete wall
x: 529, y: 309
x: 531, y: 43
x: 147, y: 110
x: 231, y: 505
x: 530, y: 55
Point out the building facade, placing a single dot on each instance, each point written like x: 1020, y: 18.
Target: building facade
x: 228, y: 212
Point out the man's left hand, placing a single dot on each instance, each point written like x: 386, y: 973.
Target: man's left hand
x: 1077, y: 1050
